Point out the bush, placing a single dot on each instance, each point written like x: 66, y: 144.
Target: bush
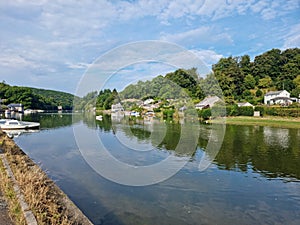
x: 245, y: 111
x: 261, y: 110
x: 232, y: 110
x: 204, y: 114
x: 218, y: 111
x: 258, y: 93
x: 278, y: 111
x: 168, y: 113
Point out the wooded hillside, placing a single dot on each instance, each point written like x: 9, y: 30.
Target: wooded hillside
x: 239, y: 78
x: 35, y: 98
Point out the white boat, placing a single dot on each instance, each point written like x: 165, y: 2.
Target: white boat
x: 134, y: 113
x: 99, y: 117
x: 28, y: 111
x: 7, y: 124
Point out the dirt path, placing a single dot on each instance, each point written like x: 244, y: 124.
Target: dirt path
x: 4, y: 217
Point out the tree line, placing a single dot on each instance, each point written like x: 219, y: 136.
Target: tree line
x: 235, y: 78
x: 34, y: 98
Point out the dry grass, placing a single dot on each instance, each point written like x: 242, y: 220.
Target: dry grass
x: 47, y: 202
x: 6, y: 186
x: 37, y: 190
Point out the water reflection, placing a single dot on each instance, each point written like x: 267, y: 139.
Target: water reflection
x: 244, y: 186
x: 277, y: 137
x: 264, y: 150
x: 17, y: 133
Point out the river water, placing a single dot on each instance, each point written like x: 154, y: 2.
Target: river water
x: 254, y: 178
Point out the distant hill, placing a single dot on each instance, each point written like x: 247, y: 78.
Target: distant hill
x: 60, y: 98
x: 35, y: 98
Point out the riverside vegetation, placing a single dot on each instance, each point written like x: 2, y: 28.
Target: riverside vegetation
x: 47, y: 202
x: 240, y: 80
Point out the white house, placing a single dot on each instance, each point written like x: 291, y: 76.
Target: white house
x: 16, y: 107
x: 117, y: 108
x: 207, y: 102
x: 277, y: 97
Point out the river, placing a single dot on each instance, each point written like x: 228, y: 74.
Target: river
x: 254, y: 178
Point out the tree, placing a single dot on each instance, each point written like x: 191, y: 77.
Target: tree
x: 267, y: 64
x: 258, y: 93
x: 230, y: 76
x: 249, y: 82
x: 297, y: 81
x: 265, y: 82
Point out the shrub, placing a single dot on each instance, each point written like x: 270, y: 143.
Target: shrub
x: 204, y: 114
x: 218, y: 110
x: 168, y: 112
x: 245, y: 111
x: 261, y: 110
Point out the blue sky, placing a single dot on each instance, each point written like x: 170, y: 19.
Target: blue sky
x: 51, y: 44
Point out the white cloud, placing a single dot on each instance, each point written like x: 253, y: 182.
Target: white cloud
x: 199, y: 36
x: 80, y: 65
x: 209, y: 57
x: 52, y: 36
x: 272, y: 9
x: 16, y: 61
x: 292, y: 39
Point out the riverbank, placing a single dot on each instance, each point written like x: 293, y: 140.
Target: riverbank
x: 282, y: 122
x: 4, y: 212
x: 46, y: 201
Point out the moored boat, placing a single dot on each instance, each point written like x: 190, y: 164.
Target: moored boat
x: 8, y: 124
x: 99, y: 117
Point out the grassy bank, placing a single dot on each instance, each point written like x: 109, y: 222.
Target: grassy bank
x: 48, y: 203
x: 282, y: 122
x: 14, y: 207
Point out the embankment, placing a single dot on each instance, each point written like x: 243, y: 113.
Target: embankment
x: 47, y: 202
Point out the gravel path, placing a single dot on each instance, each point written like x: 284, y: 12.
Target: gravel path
x: 4, y: 217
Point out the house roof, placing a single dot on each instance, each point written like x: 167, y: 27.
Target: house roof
x: 240, y: 104
x: 15, y: 105
x: 274, y: 92
x: 209, y: 101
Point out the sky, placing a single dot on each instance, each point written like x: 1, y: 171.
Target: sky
x: 52, y: 44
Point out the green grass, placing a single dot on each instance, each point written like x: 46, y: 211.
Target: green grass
x: 281, y: 122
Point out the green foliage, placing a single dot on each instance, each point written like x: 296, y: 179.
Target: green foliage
x: 274, y: 69
x: 292, y: 111
x: 174, y: 85
x: 265, y: 82
x: 168, y: 113
x: 56, y: 97
x: 218, y: 111
x: 232, y: 110
x: 249, y: 81
x: 245, y: 111
x: 106, y: 98
x: 87, y: 102
x: 258, y: 93
x: 205, y: 114
x: 261, y: 110
x: 236, y: 76
x: 36, y: 98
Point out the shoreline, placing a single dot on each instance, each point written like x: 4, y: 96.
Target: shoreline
x: 48, y: 203
x: 271, y: 121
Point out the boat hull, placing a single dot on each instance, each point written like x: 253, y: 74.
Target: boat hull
x: 17, y: 125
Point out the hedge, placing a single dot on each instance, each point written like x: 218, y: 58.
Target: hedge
x: 278, y: 111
